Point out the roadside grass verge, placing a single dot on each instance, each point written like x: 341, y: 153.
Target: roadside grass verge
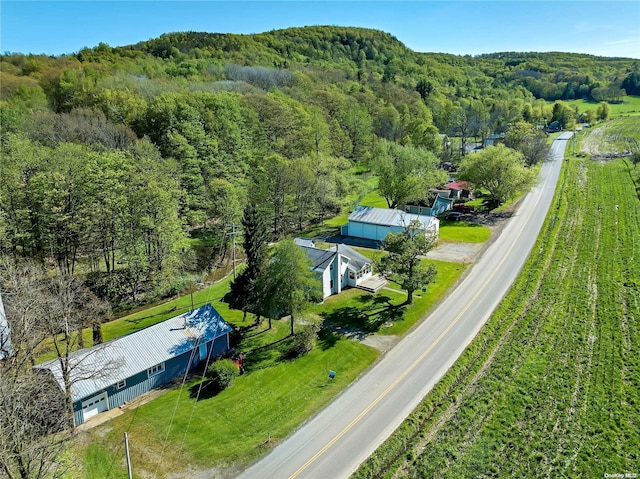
x: 550, y: 387
x: 463, y: 232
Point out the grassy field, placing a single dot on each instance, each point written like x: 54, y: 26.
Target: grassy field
x: 551, y: 385
x: 611, y: 137
x: 214, y: 432
x: 630, y: 106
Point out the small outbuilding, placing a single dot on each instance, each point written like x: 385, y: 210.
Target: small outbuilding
x: 108, y: 375
x: 376, y: 223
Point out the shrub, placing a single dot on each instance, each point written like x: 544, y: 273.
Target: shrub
x: 222, y: 374
x: 304, y: 341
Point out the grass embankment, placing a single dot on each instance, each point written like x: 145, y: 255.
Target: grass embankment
x: 551, y: 385
x: 270, y: 400
x: 630, y: 106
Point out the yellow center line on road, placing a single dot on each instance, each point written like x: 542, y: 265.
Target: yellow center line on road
x: 413, y: 365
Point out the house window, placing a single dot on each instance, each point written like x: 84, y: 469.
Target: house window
x: 352, y: 275
x: 155, y: 370
x: 122, y: 384
x: 331, y: 284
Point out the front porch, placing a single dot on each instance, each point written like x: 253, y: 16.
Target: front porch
x: 373, y: 284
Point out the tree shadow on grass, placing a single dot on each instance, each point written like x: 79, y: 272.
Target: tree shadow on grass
x: 203, y: 390
x: 267, y: 355
x: 373, y: 312
x: 327, y: 339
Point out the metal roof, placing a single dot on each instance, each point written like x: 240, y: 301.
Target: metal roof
x: 320, y: 258
x: 304, y: 242
x: 387, y: 217
x: 106, y: 364
x: 356, y: 259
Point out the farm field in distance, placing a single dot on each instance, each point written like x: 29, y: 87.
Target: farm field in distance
x: 551, y: 385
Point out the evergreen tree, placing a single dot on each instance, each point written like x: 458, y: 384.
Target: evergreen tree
x: 244, y: 290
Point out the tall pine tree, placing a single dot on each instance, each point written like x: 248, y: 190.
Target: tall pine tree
x: 244, y: 291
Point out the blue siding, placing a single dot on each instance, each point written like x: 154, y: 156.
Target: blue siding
x: 141, y: 383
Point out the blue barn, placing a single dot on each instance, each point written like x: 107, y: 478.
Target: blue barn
x: 376, y: 223
x: 108, y: 375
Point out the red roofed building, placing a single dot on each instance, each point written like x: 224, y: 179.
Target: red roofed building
x: 460, y: 189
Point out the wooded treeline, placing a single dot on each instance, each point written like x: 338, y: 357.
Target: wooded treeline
x: 114, y: 158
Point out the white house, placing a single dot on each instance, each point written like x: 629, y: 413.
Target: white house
x: 338, y: 267
x: 376, y: 223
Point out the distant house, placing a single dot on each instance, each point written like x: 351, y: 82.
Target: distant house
x: 132, y: 365
x: 338, y: 267
x: 495, y: 139
x: 554, y: 126
x: 441, y: 204
x: 459, y: 189
x: 376, y: 223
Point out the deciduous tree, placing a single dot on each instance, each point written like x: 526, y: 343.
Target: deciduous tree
x: 499, y: 170
x: 405, y: 173
x: 289, y: 283
x: 404, y: 263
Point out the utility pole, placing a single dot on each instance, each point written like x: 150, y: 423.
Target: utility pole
x: 126, y: 448
x: 233, y: 247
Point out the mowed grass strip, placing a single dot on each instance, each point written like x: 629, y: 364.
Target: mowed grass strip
x: 463, y: 232
x: 550, y: 387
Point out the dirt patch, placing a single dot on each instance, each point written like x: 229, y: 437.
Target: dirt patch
x: 469, y: 252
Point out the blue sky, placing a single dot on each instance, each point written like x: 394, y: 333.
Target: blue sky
x: 607, y: 28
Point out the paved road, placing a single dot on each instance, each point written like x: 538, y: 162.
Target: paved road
x: 339, y: 438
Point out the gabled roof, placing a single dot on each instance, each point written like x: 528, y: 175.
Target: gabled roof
x: 124, y: 357
x: 440, y: 203
x: 458, y: 185
x: 356, y: 260
x: 304, y: 242
x: 320, y: 258
x: 387, y: 217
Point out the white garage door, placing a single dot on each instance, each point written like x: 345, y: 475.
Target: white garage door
x: 94, y: 406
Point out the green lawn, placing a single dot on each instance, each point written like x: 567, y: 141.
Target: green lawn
x: 176, y: 432
x: 385, y: 312
x: 150, y: 316
x: 271, y: 399
x: 461, y: 231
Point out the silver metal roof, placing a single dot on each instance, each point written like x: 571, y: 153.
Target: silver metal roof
x: 387, y: 217
x: 357, y: 260
x: 106, y: 364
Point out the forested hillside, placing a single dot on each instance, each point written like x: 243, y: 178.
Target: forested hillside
x: 116, y: 160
